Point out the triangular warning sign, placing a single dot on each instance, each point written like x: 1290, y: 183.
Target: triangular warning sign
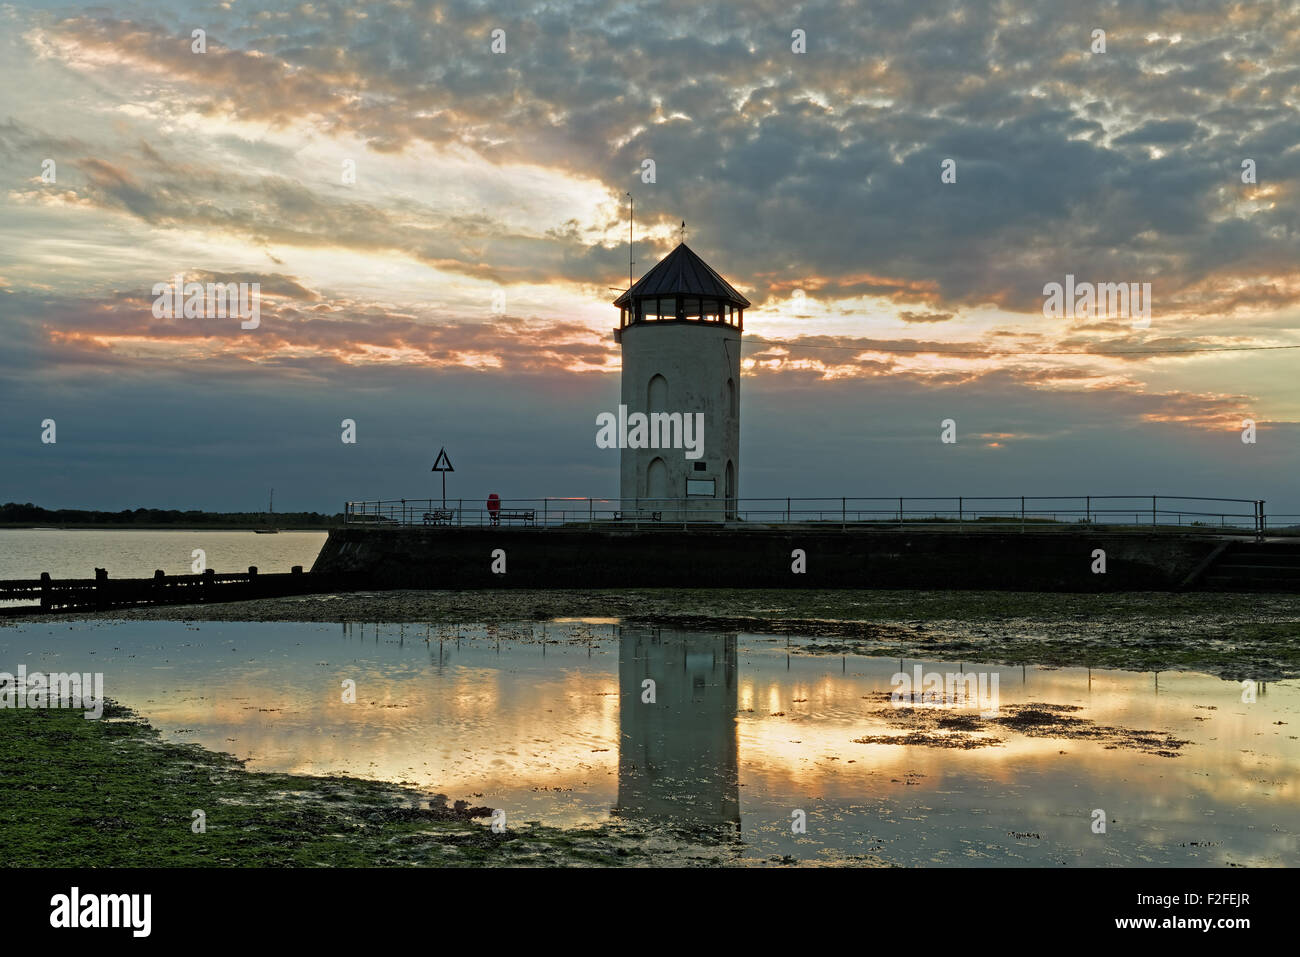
x: 442, y: 463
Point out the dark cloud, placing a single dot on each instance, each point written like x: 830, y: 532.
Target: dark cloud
x: 817, y: 165
x: 1161, y: 133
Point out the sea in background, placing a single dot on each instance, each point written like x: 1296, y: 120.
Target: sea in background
x: 137, y: 553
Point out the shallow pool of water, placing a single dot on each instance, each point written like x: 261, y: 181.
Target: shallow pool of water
x: 556, y: 723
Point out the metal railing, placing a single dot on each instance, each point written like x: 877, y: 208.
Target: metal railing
x: 1114, y: 512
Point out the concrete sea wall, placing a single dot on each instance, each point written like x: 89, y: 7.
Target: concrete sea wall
x: 759, y: 557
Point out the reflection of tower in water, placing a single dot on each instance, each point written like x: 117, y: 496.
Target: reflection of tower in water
x: 678, y: 757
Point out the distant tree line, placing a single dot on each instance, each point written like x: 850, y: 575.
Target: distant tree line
x: 13, y: 513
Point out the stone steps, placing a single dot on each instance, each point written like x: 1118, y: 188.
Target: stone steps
x: 1263, y: 566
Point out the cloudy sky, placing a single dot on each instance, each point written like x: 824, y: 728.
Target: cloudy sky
x: 458, y: 291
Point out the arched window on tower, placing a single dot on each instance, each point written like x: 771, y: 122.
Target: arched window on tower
x: 657, y: 395
x: 656, y: 479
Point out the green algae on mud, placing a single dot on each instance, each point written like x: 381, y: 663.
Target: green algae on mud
x: 110, y: 793
x: 1237, y: 636
x: 923, y: 726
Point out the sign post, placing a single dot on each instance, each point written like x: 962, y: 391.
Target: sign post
x: 443, y: 464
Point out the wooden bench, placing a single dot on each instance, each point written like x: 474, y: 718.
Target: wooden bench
x: 641, y: 515
x: 528, y: 516
x: 441, y: 516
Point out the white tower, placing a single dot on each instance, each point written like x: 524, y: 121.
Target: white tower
x: 680, y: 328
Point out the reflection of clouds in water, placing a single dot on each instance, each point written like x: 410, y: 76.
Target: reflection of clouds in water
x: 547, y: 721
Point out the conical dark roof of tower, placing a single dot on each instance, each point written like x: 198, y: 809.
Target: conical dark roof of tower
x: 682, y: 273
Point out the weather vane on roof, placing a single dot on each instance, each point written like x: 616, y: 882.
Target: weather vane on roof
x: 683, y: 230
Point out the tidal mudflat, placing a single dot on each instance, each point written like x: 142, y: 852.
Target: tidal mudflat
x: 752, y: 747
x: 1240, y: 636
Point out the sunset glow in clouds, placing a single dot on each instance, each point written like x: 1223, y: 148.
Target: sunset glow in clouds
x: 458, y: 291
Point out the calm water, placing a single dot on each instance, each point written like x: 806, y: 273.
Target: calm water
x: 547, y: 722
x: 76, y: 553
